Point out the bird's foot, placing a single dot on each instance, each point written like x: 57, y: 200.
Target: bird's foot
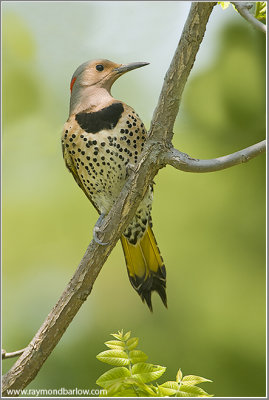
x: 95, y: 237
x: 96, y: 229
x: 129, y: 169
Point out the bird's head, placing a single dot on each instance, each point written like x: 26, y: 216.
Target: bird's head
x: 97, y: 74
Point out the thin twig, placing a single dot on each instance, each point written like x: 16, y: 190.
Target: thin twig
x: 11, y: 355
x: 242, y: 8
x: 186, y: 163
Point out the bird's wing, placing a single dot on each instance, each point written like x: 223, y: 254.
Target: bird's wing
x: 72, y: 168
x: 70, y: 165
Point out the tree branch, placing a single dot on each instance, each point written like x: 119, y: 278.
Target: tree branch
x: 243, y: 9
x: 124, y: 208
x: 80, y: 286
x: 186, y: 163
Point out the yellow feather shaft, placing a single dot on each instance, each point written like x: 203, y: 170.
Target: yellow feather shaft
x: 142, y: 257
x: 155, y: 247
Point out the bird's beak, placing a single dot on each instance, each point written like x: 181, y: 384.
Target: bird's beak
x: 128, y: 67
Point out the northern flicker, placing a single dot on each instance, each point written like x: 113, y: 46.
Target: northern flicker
x: 100, y: 138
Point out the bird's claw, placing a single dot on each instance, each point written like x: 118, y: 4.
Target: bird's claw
x: 95, y: 237
x: 96, y: 229
x: 129, y: 169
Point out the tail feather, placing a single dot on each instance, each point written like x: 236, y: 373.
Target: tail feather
x: 145, y: 267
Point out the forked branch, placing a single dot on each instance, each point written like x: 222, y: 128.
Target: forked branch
x: 243, y: 9
x: 186, y: 163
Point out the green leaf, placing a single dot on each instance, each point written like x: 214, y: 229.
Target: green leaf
x: 172, y: 388
x: 112, y: 376
x: 260, y: 12
x: 169, y: 388
x: 135, y: 382
x: 170, y: 385
x: 183, y: 394
x: 114, y: 357
x: 147, y: 372
x: 166, y: 392
x: 114, y: 389
x: 137, y: 356
x: 141, y: 390
x: 118, y: 335
x: 192, y: 391
x: 155, y: 390
x: 127, y: 336
x: 132, y: 343
x: 224, y: 4
x: 194, y: 380
x: 146, y: 389
x: 179, y: 376
x: 115, y: 344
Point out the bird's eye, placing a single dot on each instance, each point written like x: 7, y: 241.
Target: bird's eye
x: 99, y: 67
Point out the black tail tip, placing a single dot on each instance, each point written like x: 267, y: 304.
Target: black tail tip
x: 146, y: 297
x: 155, y: 282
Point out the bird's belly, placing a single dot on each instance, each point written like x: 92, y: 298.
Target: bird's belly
x: 104, y: 192
x: 101, y: 163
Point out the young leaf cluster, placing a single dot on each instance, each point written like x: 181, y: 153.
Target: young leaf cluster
x: 259, y: 11
x: 132, y: 376
x: 224, y: 4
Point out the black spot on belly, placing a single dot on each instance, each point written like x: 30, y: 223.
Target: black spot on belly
x: 107, y: 118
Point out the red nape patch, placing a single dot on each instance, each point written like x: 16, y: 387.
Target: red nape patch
x: 72, y: 83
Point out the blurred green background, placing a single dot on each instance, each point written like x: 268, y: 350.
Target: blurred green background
x: 210, y: 227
